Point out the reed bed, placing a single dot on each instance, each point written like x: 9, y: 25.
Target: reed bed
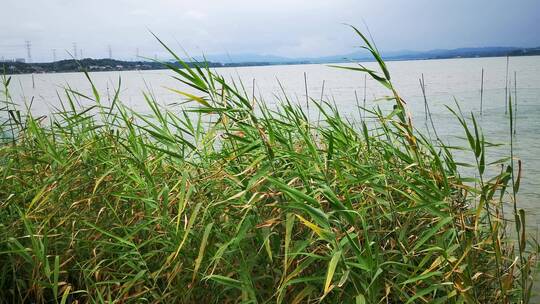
x: 225, y: 200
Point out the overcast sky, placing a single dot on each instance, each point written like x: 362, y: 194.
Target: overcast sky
x: 292, y: 28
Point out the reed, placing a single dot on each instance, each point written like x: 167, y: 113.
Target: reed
x: 506, y: 97
x: 426, y: 109
x: 358, y: 106
x: 226, y: 200
x: 515, y: 102
x: 365, y: 95
x: 482, y: 93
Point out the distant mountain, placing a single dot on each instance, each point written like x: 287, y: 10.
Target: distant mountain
x: 460, y: 52
x: 365, y: 56
x: 434, y: 54
x: 233, y: 60
x: 244, y: 58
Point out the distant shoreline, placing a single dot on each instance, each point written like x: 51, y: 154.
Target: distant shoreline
x: 113, y: 65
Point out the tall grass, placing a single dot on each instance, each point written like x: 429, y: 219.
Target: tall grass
x: 228, y: 200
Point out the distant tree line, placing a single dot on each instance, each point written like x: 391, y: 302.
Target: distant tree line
x: 93, y: 65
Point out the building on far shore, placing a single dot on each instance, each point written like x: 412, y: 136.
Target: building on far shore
x: 20, y: 60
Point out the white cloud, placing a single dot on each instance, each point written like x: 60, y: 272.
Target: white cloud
x: 194, y: 14
x: 282, y: 27
x: 140, y: 13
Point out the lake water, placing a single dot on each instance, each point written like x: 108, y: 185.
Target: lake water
x: 445, y: 81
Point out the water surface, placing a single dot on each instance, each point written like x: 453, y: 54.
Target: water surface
x: 447, y: 81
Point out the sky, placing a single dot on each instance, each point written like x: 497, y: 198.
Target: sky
x: 289, y: 28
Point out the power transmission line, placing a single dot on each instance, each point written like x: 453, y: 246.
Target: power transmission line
x: 74, y: 50
x: 28, y: 45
